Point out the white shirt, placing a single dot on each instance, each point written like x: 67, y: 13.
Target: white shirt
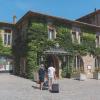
x: 51, y: 71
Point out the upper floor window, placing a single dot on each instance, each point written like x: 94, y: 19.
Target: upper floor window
x: 7, y: 40
x: 97, y: 41
x: 76, y: 34
x: 51, y: 34
x: 74, y: 37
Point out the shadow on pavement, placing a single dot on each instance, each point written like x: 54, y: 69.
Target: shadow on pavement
x: 35, y: 87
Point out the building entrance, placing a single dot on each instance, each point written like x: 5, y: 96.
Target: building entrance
x: 55, y: 61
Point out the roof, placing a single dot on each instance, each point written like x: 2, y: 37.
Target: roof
x: 62, y: 20
x: 89, y: 15
x: 34, y: 14
x: 4, y: 24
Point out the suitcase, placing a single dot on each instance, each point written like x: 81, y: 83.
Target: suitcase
x: 45, y: 84
x: 55, y: 88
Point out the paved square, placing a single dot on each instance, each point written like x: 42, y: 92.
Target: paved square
x: 16, y: 88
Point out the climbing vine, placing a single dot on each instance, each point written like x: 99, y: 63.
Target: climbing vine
x: 4, y: 51
x: 37, y: 42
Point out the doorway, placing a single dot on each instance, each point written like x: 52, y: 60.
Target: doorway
x: 54, y: 60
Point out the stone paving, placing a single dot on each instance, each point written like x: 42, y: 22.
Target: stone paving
x: 16, y: 88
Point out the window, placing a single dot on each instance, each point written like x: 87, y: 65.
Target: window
x: 74, y: 38
x: 51, y: 34
x: 7, y: 39
x: 97, y: 41
x: 78, y: 64
x: 97, y: 63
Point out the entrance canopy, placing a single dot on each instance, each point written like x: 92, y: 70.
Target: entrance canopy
x: 56, y: 51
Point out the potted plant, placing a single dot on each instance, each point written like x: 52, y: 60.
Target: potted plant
x: 79, y: 75
x: 96, y: 74
x: 82, y: 76
x: 66, y: 73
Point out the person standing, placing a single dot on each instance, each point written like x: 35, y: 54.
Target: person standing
x: 41, y: 73
x: 51, y: 76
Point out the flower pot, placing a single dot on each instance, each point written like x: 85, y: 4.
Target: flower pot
x: 82, y: 77
x: 96, y: 75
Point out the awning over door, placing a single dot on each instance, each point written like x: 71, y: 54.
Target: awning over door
x: 56, y: 51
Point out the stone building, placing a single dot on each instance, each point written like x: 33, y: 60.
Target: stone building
x: 92, y: 18
x: 87, y: 62
x: 6, y: 30
x: 17, y: 34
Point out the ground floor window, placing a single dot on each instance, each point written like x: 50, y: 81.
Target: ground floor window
x: 97, y: 63
x: 78, y: 64
x: 5, y: 63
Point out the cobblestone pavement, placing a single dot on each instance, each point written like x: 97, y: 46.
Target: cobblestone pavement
x: 16, y: 88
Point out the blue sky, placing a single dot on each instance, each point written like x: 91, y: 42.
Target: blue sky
x: 69, y: 9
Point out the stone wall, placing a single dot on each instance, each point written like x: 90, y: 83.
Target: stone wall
x: 89, y: 64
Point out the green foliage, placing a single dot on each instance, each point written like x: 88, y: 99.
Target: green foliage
x: 64, y: 72
x: 4, y: 50
x: 97, y: 51
x: 79, y: 49
x: 68, y: 68
x: 64, y: 37
x: 88, y: 41
x: 31, y: 63
x: 37, y: 42
x: 7, y: 51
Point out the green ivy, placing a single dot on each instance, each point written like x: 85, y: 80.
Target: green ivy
x: 4, y: 51
x: 88, y: 41
x: 37, y: 42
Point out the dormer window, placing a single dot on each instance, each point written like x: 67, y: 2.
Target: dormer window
x: 51, y: 34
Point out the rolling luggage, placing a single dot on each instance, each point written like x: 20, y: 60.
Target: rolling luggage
x: 55, y: 88
x: 45, y: 83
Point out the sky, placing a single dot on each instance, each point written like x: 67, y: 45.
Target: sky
x: 69, y: 9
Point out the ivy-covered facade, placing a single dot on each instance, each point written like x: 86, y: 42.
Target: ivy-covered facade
x: 71, y: 46
x: 6, y: 57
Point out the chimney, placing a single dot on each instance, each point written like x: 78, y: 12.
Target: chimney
x: 14, y: 19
